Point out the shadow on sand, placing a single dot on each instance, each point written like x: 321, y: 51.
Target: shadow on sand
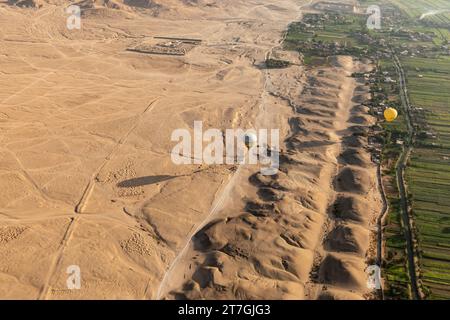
x: 143, y: 181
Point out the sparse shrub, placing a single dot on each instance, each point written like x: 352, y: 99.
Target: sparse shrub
x: 277, y: 64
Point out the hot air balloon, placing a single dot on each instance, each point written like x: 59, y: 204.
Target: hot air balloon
x: 390, y: 114
x: 250, y: 140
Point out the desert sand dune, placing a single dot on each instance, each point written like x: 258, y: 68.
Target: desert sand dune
x: 320, y: 208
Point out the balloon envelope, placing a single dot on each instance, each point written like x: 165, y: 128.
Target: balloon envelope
x: 390, y: 114
x: 250, y: 140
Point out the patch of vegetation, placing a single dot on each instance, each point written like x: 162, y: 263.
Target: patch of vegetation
x: 428, y: 173
x: 319, y: 36
x: 277, y: 64
x: 394, y: 133
x: 426, y: 62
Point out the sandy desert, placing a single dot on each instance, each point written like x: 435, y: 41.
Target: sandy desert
x: 85, y: 156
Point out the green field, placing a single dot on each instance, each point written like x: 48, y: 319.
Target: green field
x: 428, y: 173
x: 414, y: 9
x: 395, y: 261
x: 334, y: 30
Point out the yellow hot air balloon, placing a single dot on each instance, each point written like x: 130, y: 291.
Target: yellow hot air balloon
x: 390, y: 114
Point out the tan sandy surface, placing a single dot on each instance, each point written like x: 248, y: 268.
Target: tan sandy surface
x: 306, y: 233
x: 86, y: 174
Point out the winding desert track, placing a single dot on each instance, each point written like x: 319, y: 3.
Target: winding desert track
x: 57, y: 259
x: 215, y: 209
x: 218, y: 204
x: 79, y: 209
x: 223, y: 195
